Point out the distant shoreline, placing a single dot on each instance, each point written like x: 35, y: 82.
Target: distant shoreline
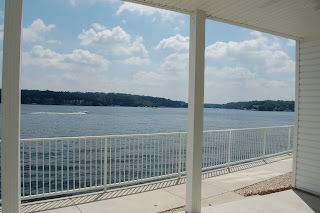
x: 128, y: 100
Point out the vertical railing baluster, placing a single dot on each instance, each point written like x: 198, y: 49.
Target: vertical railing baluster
x: 68, y: 172
x: 229, y: 149
x: 120, y: 156
x: 176, y: 150
x: 37, y: 168
x: 30, y: 169
x: 179, y: 165
x: 96, y: 169
x: 110, y: 164
x: 74, y: 164
x: 138, y: 159
x: 150, y: 158
x: 162, y: 154
x: 165, y: 157
x: 55, y: 166
x: 142, y: 156
x: 158, y: 169
x: 43, y: 167
x: 289, y: 138
x: 125, y: 158
x: 23, y: 184
x: 172, y: 156
x: 133, y: 157
x: 90, y: 159
x: 105, y: 164
x: 85, y: 163
x: 79, y: 146
x: 101, y: 167
x: 61, y: 165
x: 115, y: 160
x: 129, y: 169
x: 264, y: 142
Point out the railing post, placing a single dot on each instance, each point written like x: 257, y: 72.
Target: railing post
x: 289, y: 138
x: 264, y: 143
x: 105, y: 164
x: 229, y: 148
x: 179, y: 166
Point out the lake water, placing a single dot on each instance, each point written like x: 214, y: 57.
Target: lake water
x: 57, y: 165
x: 61, y: 121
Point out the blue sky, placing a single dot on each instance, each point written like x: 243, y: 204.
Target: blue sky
x: 114, y: 46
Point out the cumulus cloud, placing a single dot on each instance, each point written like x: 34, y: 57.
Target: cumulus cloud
x: 35, y: 31
x: 150, y: 78
x: 176, y: 43
x: 115, y: 41
x: 78, y: 60
x: 291, y: 43
x: 146, y: 11
x: 257, y: 54
x: 247, y: 89
x: 230, y: 73
x: 54, y: 42
x: 75, y: 2
x: 136, y: 61
x: 176, y: 62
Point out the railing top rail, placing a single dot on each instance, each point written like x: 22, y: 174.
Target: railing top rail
x: 101, y: 137
x: 142, y: 135
x: 243, y: 129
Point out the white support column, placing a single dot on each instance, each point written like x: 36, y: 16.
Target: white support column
x: 10, y: 112
x: 296, y: 116
x: 195, y: 111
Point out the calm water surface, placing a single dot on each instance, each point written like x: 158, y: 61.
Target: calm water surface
x: 62, y: 121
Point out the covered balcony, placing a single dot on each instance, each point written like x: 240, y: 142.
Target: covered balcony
x: 189, y: 154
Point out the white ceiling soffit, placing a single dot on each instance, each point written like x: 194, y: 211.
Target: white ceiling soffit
x: 295, y: 19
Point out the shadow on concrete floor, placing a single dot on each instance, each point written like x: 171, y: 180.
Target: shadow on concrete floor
x: 131, y: 190
x: 311, y: 200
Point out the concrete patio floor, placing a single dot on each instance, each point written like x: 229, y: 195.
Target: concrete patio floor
x: 292, y: 201
x: 217, y: 188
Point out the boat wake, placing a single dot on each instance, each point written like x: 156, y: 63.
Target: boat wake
x: 60, y: 113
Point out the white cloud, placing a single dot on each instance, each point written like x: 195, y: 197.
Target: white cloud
x: 136, y: 61
x: 150, y: 78
x: 233, y: 73
x: 146, y: 11
x: 254, y: 69
x: 247, y: 89
x: 54, y: 42
x: 115, y: 41
x: 276, y: 84
x: 75, y: 2
x: 78, y: 60
x: 256, y: 33
x: 175, y: 62
x: 176, y: 43
x: 258, y: 55
x: 291, y: 43
x: 34, y: 32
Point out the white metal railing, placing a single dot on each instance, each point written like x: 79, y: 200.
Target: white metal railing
x: 55, y: 166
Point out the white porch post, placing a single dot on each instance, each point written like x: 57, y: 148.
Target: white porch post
x: 195, y: 111
x: 10, y: 111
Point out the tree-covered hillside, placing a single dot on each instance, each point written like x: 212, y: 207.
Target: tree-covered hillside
x: 119, y: 99
x: 267, y: 105
x: 95, y: 99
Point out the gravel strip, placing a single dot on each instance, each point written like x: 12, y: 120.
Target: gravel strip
x: 178, y: 209
x: 276, y: 184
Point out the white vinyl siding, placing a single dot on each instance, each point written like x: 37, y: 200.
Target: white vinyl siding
x: 307, y: 165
